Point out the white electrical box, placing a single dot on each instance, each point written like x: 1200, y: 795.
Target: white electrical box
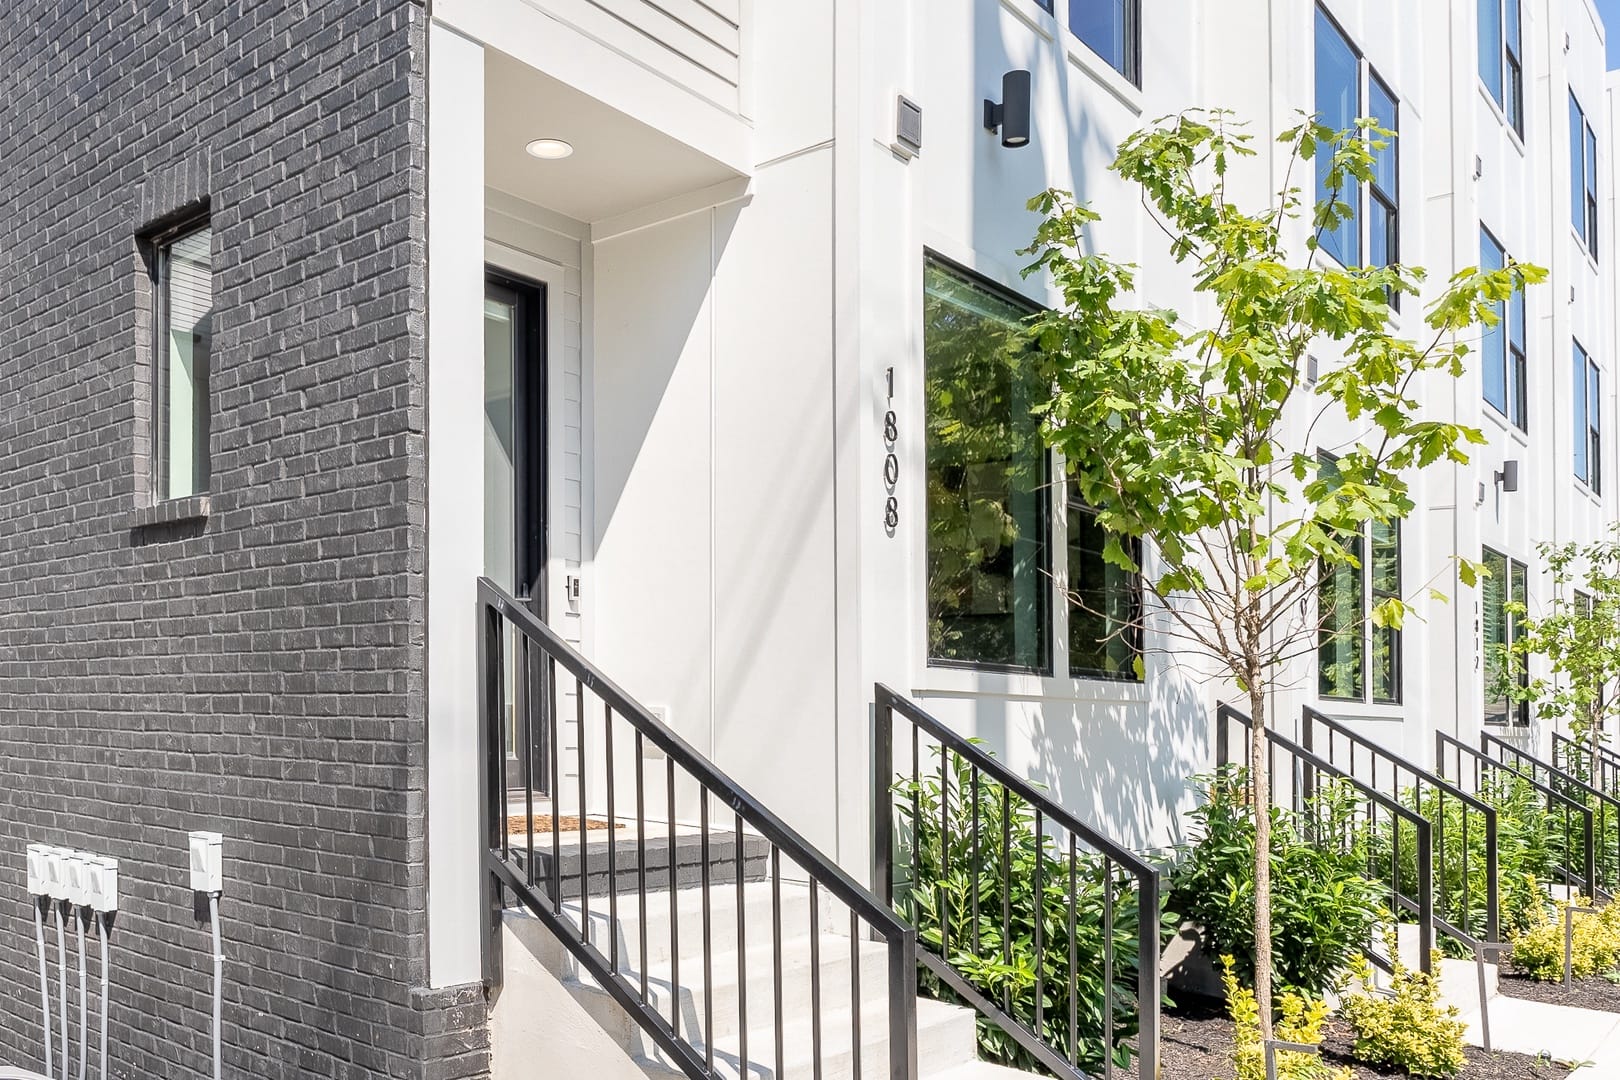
x: 102, y: 883
x: 76, y: 869
x: 207, y: 862
x: 36, y: 870
x: 56, y: 873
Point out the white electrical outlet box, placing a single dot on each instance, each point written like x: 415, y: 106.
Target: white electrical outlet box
x: 102, y: 892
x: 36, y: 870
x: 76, y: 869
x: 207, y: 862
x: 56, y: 873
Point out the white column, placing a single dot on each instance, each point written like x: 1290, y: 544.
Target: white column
x: 455, y: 416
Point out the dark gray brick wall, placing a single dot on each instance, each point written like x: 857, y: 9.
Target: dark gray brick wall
x: 257, y: 670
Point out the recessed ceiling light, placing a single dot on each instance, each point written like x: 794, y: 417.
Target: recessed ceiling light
x: 549, y: 149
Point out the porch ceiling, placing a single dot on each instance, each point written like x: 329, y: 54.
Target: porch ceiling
x: 618, y: 164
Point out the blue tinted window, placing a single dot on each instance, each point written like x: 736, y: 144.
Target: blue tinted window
x: 1338, y: 94
x: 1493, y: 338
x: 1580, y: 396
x: 1577, y: 168
x: 1382, y: 108
x: 1490, y: 46
x: 1109, y: 28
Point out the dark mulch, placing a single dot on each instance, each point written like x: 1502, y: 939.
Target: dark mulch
x: 1594, y: 993
x: 1196, y: 1044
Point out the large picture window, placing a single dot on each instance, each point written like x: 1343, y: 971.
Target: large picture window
x: 1508, y: 582
x: 184, y: 299
x: 992, y: 527
x: 989, y: 560
x: 1112, y: 30
x: 1505, y: 372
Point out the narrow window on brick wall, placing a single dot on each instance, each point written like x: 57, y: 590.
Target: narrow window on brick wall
x: 184, y: 296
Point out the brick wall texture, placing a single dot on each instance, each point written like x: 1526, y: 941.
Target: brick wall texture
x: 257, y: 670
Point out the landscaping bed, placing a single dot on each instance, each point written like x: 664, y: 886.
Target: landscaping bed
x: 1596, y: 992
x: 1196, y: 1044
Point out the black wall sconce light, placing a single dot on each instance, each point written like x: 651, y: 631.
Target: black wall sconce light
x: 1508, y: 478
x: 1011, y: 116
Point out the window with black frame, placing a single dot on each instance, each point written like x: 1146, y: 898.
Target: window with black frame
x: 1501, y: 57
x: 1111, y: 29
x: 1105, y: 636
x: 1348, y: 88
x: 1504, y: 373
x: 183, y: 297
x: 1586, y: 381
x: 989, y: 557
x: 1583, y: 193
x: 1506, y: 583
x: 1357, y: 660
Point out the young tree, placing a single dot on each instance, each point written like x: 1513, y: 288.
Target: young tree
x: 1200, y: 440
x: 1580, y: 638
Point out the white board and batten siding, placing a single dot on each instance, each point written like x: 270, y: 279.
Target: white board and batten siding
x: 696, y: 43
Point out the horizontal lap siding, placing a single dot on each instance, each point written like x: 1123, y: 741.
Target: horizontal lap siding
x: 695, y: 42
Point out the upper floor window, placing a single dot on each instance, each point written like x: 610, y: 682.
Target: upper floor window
x: 1505, y: 370
x: 1113, y: 30
x: 1583, y: 188
x: 1507, y: 581
x: 1501, y: 63
x: 991, y: 520
x: 1348, y: 88
x: 183, y: 296
x: 1588, y: 399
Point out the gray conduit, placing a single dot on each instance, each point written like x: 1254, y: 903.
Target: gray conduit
x: 84, y: 1005
x: 101, y: 926
x: 44, y: 982
x: 219, y: 978
x: 61, y: 954
x: 8, y: 1073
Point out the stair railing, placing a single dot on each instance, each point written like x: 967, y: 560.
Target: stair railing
x: 1604, y: 844
x: 1443, y: 804
x: 545, y: 670
x: 1410, y: 893
x: 995, y: 829
x: 1472, y: 769
x: 1601, y: 761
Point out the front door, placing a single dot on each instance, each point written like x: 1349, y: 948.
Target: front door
x: 515, y: 477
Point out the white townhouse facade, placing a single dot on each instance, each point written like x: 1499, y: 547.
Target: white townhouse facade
x: 722, y: 257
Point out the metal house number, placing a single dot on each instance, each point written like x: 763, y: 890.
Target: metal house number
x: 891, y: 463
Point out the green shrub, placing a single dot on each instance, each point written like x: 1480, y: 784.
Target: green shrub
x: 953, y: 881
x: 1408, y: 1028
x: 1323, y: 911
x: 1301, y: 1022
x: 1595, y: 946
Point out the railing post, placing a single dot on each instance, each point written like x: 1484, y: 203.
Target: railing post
x: 1493, y: 916
x: 1307, y: 777
x: 903, y: 1006
x: 883, y: 795
x: 1147, y: 978
x: 1425, y: 891
x: 491, y: 756
x: 1222, y: 734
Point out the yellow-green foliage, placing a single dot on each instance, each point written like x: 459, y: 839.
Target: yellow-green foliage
x: 1539, y: 951
x: 1409, y: 1028
x: 1301, y: 1022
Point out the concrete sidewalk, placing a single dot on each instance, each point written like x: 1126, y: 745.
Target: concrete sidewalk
x: 1583, y: 1037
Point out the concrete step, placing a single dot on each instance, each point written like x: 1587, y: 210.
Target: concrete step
x: 946, y: 1041
x: 620, y: 850
x: 724, y: 992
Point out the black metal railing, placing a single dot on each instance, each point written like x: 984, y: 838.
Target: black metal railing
x: 1569, y: 824
x: 956, y: 840
x: 617, y: 743
x: 1466, y: 849
x: 1598, y: 764
x: 1604, y: 844
x: 1400, y: 851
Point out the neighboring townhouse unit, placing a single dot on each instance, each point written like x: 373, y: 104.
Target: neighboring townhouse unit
x: 648, y: 314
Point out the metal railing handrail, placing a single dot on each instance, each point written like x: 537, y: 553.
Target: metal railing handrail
x: 1443, y: 741
x: 1313, y: 718
x: 888, y: 702
x: 1423, y: 831
x: 1610, y: 758
x: 497, y: 609
x: 1567, y: 782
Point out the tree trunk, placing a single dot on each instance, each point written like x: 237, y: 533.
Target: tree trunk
x: 1260, y: 795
